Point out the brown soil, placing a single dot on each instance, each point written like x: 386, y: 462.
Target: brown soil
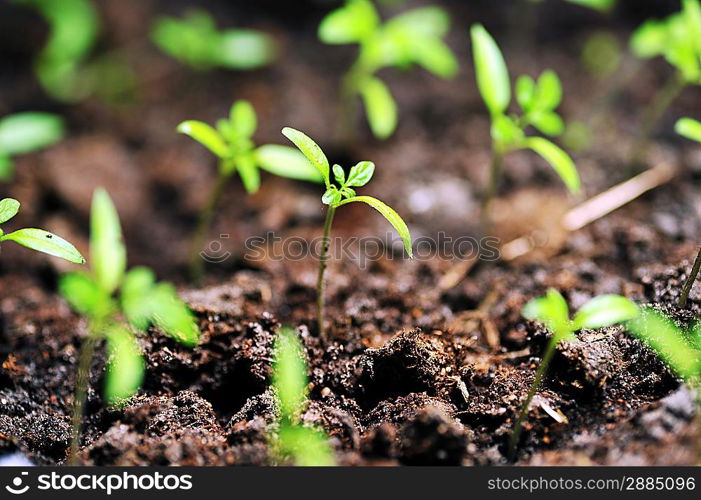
x: 412, y: 374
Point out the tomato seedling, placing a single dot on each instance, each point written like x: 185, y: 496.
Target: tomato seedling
x: 552, y: 310
x: 232, y: 143
x: 196, y: 42
x: 538, y: 101
x: 118, y: 303
x: 413, y: 37
x: 336, y: 196
x: 305, y: 446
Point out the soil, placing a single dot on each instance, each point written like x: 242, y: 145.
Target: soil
x: 414, y: 373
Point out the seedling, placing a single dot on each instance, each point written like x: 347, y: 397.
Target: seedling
x: 306, y: 446
x: 604, y: 6
x: 23, y: 133
x: 691, y: 129
x: 231, y: 142
x: 74, y: 26
x: 552, y: 310
x: 538, y: 102
x: 414, y: 37
x: 336, y: 196
x: 678, y: 39
x: 36, y: 239
x: 196, y: 42
x: 118, y: 303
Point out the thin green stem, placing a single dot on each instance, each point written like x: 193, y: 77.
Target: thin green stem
x: 539, y: 374
x: 87, y: 350
x: 492, y: 186
x: 320, y: 283
x: 203, y: 225
x: 654, y: 113
x: 688, y: 285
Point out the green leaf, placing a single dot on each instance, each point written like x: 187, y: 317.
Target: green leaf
x: 558, y: 159
x: 173, y: 316
x: 491, y: 71
x: 605, y: 310
x: 7, y: 168
x: 137, y: 286
x: 423, y: 22
x: 30, y: 131
x: 600, y: 5
x: 551, y: 310
x: 8, y: 209
x: 506, y: 132
x: 45, y: 242
x: 548, y: 91
x: 125, y: 365
x: 243, y: 119
x: 354, y: 22
x: 380, y: 107
x: 689, y: 128
x: 331, y: 197
x: 248, y: 170
x: 243, y: 49
x: 668, y: 341
x: 289, y: 373
x: 650, y: 39
x: 311, y: 150
x: 339, y: 174
x: 81, y: 292
x: 360, y: 174
x: 548, y: 122
x: 205, y: 135
x: 391, y: 216
x: 525, y: 92
x: 107, y: 252
x: 435, y: 56
x: 285, y: 161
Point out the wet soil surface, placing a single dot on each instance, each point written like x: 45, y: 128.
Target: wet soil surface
x: 415, y: 372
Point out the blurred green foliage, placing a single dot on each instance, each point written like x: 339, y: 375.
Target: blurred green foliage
x: 196, y: 42
x: 26, y: 132
x: 412, y: 38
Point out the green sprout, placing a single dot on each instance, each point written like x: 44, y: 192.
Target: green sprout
x: 36, y: 239
x: 538, y: 101
x: 305, y: 446
x: 604, y: 6
x: 678, y: 39
x: 336, y: 196
x: 23, y: 133
x: 413, y: 37
x: 691, y: 129
x: 232, y: 143
x: 196, y: 42
x: 74, y: 28
x: 118, y: 303
x: 552, y: 310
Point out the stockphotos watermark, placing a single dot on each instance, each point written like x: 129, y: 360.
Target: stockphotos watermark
x: 107, y: 483
x: 362, y: 250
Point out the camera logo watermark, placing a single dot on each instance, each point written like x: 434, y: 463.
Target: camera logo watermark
x: 18, y: 487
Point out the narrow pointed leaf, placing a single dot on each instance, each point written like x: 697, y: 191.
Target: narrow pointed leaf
x: 392, y: 217
x: 689, y: 128
x: 287, y: 162
x: 108, y: 255
x: 551, y: 310
x: 558, y: 159
x: 289, y: 373
x: 45, y: 242
x: 380, y: 107
x: 351, y: 23
x: 605, y: 310
x: 491, y: 71
x: 248, y: 171
x: 29, y: 131
x: 125, y: 366
x: 205, y: 135
x: 243, y: 119
x: 311, y: 150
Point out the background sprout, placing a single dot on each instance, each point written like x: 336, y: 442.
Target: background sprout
x: 141, y: 301
x: 196, y: 42
x: 232, y: 142
x: 36, y: 239
x: 691, y: 129
x: 413, y: 37
x: 552, y: 310
x: 538, y: 101
x: 339, y: 195
x: 306, y: 446
x: 678, y: 39
x: 26, y: 132
x: 74, y: 28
